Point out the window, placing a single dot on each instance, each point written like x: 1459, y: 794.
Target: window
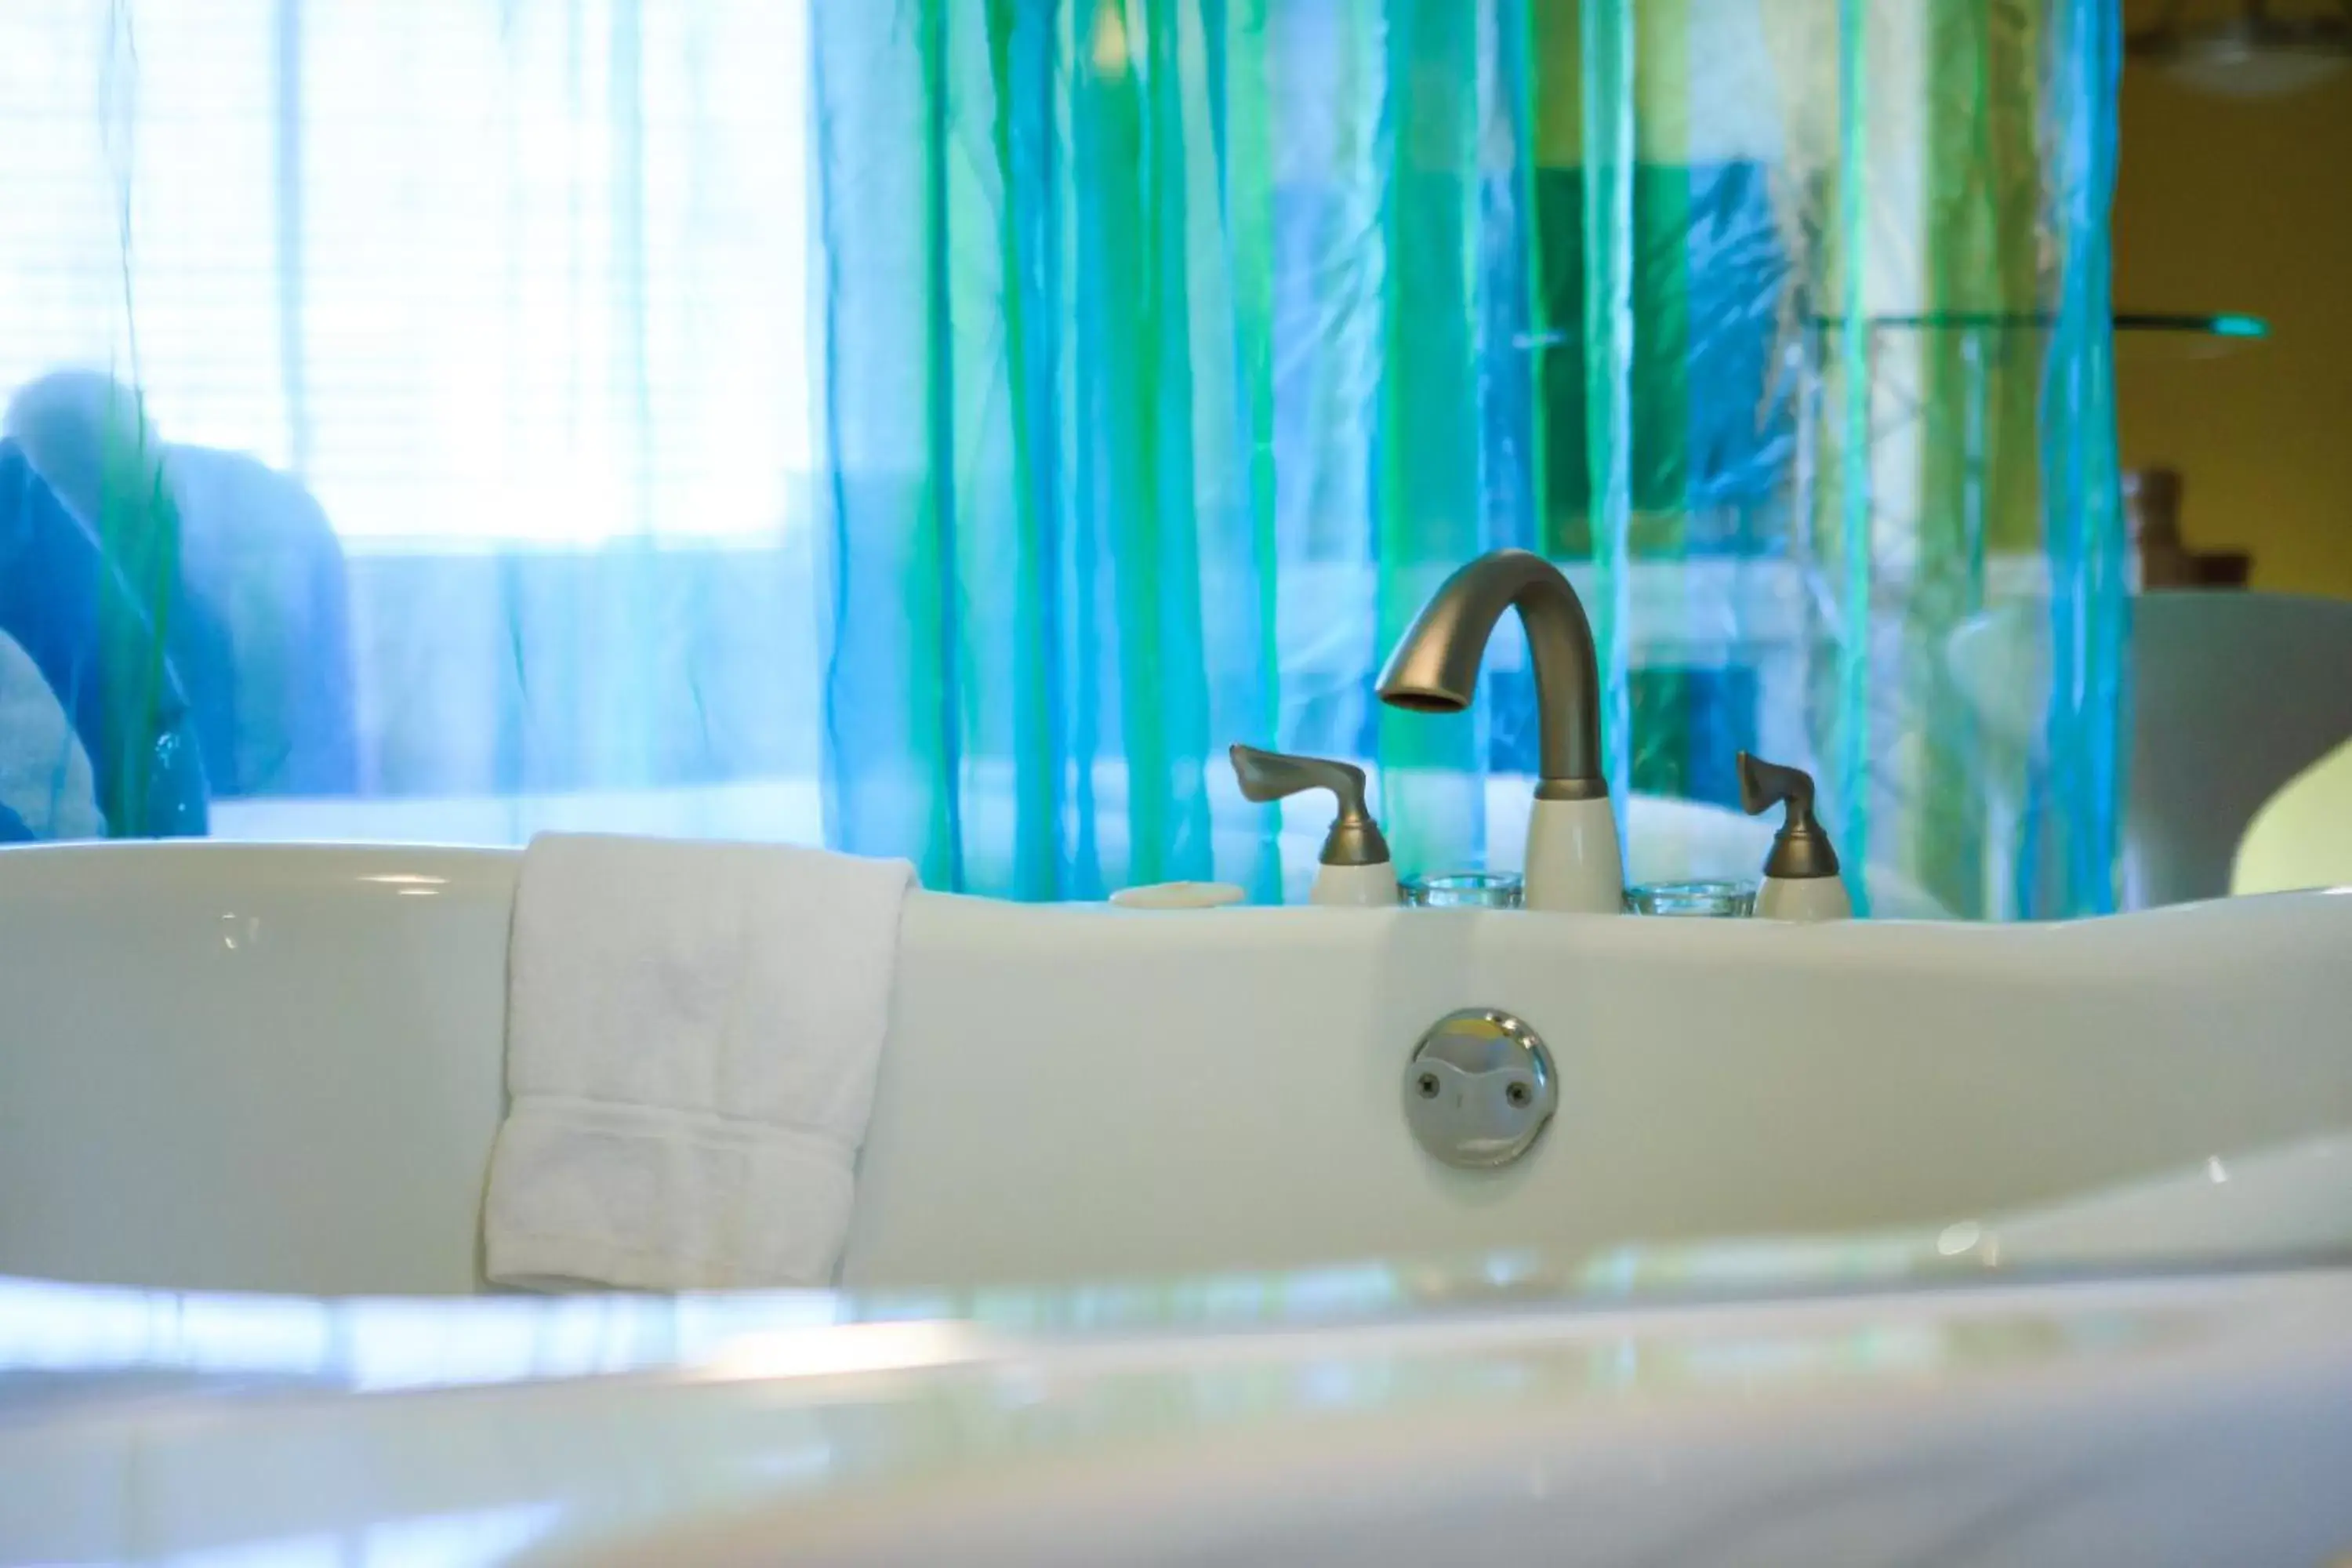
x: 471, y: 271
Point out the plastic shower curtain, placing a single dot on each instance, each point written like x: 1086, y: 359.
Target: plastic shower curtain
x: 1174, y: 348
x: 943, y: 426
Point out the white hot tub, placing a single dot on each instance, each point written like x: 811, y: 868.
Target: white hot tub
x: 279, y: 1068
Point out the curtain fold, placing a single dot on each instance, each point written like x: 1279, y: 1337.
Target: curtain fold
x: 1045, y: 510
x: 2080, y: 786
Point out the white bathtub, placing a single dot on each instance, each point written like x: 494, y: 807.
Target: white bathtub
x: 227, y: 1067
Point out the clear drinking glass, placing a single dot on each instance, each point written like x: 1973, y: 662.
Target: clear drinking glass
x: 1688, y: 900
x: 1464, y: 890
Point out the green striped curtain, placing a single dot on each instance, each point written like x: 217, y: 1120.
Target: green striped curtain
x: 1174, y: 350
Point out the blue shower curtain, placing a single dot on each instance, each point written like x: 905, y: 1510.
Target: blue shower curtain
x: 1176, y: 348
x: 941, y: 427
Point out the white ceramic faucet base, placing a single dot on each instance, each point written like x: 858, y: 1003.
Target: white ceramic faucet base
x: 1354, y: 886
x: 1575, y: 863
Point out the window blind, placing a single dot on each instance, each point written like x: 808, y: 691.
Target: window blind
x: 486, y: 271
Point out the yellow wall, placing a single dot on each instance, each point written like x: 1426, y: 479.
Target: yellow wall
x: 2229, y: 205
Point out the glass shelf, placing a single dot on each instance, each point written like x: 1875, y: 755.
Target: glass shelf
x: 2141, y: 336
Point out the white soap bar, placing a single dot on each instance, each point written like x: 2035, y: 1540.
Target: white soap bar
x: 1178, y: 896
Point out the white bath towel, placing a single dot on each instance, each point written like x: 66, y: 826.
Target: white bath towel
x: 692, y: 1033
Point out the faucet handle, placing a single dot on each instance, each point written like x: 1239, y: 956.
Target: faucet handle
x: 1800, y: 850
x: 1355, y: 838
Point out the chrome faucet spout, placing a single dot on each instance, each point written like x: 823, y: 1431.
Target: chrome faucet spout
x: 1435, y: 668
x: 1574, y: 859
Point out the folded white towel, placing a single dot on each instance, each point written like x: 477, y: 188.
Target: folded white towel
x: 692, y: 1032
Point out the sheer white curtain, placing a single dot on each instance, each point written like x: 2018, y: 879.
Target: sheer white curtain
x: 517, y: 293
